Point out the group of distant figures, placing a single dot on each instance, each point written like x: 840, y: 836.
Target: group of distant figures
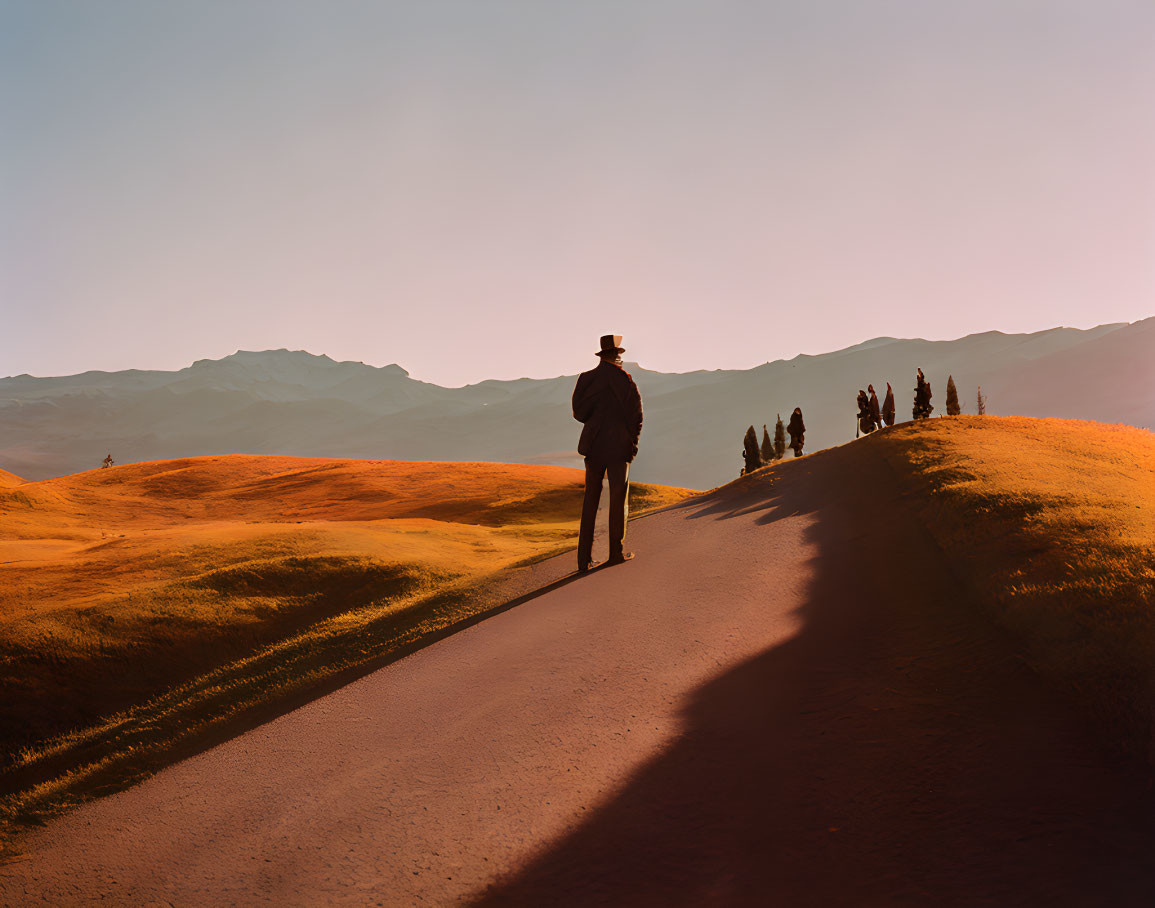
x: 871, y: 417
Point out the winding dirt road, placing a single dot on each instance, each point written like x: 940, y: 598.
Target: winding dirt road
x: 781, y: 701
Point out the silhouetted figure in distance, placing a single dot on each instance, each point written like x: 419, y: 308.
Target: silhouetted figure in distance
x: 608, y: 403
x: 875, y: 412
x: 864, y: 426
x: 797, y: 431
x: 107, y: 462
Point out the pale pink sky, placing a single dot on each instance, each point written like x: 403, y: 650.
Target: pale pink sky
x: 479, y: 190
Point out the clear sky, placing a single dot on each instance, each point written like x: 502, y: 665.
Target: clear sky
x: 480, y: 188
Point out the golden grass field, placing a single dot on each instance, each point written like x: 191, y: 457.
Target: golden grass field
x: 213, y: 584
x: 1052, y: 523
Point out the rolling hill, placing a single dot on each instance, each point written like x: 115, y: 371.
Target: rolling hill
x: 1049, y: 524
x: 117, y: 584
x: 295, y: 403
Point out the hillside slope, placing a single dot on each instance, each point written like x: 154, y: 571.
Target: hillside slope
x: 116, y: 584
x: 1051, y: 524
x: 1108, y: 379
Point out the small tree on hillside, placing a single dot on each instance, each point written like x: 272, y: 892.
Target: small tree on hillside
x: 767, y: 446
x: 779, y: 439
x: 922, y: 395
x: 750, y: 452
x: 888, y: 406
x: 981, y: 403
x: 952, y: 407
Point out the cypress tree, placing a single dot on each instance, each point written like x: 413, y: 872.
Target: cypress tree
x: 767, y: 446
x: 952, y: 407
x: 750, y: 452
x: 981, y: 403
x: 779, y: 439
x: 922, y: 395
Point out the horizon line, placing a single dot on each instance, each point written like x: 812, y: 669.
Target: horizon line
x: 408, y: 374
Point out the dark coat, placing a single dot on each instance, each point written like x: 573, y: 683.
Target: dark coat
x: 607, y: 401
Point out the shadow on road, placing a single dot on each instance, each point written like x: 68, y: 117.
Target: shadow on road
x: 894, y: 751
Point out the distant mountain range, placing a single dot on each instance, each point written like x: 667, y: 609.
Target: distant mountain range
x: 294, y: 402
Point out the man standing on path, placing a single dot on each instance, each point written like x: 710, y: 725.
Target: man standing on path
x: 607, y: 401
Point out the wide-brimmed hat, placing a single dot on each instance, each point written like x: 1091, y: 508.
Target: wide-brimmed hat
x: 611, y: 343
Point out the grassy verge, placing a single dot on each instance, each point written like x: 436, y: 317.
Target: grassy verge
x: 97, y: 641
x: 1053, y: 524
x: 130, y: 745
x: 260, y: 622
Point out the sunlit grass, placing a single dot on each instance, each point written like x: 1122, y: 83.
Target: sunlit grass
x: 1052, y: 522
x: 145, y: 606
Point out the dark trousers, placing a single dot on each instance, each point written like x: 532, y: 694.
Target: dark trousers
x: 618, y: 473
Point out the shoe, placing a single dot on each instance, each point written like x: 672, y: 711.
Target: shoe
x: 587, y: 567
x: 620, y: 559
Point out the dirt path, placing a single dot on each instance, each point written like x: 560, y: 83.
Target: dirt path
x: 781, y: 701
